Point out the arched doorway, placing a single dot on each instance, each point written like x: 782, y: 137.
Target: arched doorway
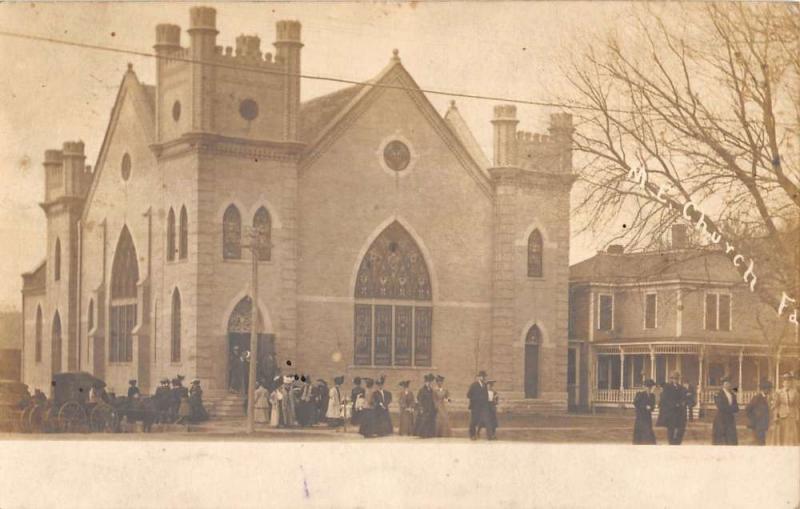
x: 55, y: 345
x: 239, y: 330
x: 532, y: 341
x: 122, y: 316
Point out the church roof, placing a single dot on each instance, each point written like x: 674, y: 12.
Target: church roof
x: 684, y: 264
x: 317, y: 113
x: 459, y: 126
x: 35, y: 279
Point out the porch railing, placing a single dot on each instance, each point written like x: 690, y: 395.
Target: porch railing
x: 625, y: 397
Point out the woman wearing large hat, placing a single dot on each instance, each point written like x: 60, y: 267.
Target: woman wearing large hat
x: 425, y: 426
x: 407, y: 403
x: 441, y: 398
x: 785, y: 408
x: 334, y: 414
x: 644, y: 402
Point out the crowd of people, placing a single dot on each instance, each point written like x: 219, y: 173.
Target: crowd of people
x: 773, y: 417
x: 297, y: 401
x: 175, y: 403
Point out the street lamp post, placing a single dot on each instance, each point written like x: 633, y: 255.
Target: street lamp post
x: 254, y: 246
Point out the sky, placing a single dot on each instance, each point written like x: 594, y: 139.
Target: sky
x: 51, y: 93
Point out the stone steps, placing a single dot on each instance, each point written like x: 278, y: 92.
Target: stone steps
x: 224, y: 405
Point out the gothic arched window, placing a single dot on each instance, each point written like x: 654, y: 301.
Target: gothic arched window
x: 55, y: 345
x: 534, y: 336
x: 232, y: 234
x: 535, y: 248
x: 262, y: 224
x: 393, y: 309
x: 171, y: 235
x: 183, y: 242
x: 90, y: 316
x: 57, y: 261
x: 124, y: 278
x: 37, y: 347
x: 175, y: 355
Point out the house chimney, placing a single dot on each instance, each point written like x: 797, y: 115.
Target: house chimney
x: 616, y: 249
x: 680, y: 239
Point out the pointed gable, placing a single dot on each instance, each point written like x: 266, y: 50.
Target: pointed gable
x: 327, y: 118
x: 462, y: 131
x: 144, y: 99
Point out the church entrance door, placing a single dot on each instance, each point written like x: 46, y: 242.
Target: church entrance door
x: 532, y: 341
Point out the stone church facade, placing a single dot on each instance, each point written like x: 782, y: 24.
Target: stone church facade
x: 393, y: 245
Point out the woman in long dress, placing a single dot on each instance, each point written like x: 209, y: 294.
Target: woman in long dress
x: 275, y: 401
x: 785, y: 406
x: 407, y: 403
x: 425, y: 424
x: 644, y: 402
x: 261, y: 397
x: 199, y: 413
x: 381, y: 399
x: 366, y: 417
x: 356, y: 394
x: 334, y: 412
x: 441, y: 397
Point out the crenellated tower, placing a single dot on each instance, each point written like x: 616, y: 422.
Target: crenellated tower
x: 67, y: 182
x: 532, y: 177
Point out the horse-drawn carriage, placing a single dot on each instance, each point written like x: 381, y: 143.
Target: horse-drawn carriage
x: 70, y: 409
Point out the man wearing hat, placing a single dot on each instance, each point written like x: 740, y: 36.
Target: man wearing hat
x: 334, y: 414
x: 758, y: 412
x: 478, y: 396
x: 133, y: 391
x: 723, y: 431
x: 162, y: 400
x: 644, y: 402
x: 672, y: 409
x: 425, y: 425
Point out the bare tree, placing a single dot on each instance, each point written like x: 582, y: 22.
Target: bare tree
x: 706, y: 100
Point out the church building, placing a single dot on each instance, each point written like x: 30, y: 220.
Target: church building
x: 387, y: 242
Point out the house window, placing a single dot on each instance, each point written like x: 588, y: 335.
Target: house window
x: 122, y: 316
x: 262, y: 225
x: 57, y: 261
x: 232, y: 234
x: 183, y: 241
x: 176, y: 327
x: 605, y: 312
x: 37, y: 347
x: 171, y: 235
x: 393, y: 311
x: 535, y: 263
x: 650, y: 307
x: 718, y: 311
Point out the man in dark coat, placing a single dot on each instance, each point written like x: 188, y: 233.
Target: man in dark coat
x: 162, y: 399
x: 672, y: 409
x: 478, y: 396
x: 723, y: 431
x: 758, y: 413
x: 645, y: 403
x: 425, y: 425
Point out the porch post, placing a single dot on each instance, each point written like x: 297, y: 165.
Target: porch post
x: 758, y: 372
x: 778, y: 366
x: 652, y: 363
x: 741, y: 358
x: 700, y: 376
x: 621, y: 370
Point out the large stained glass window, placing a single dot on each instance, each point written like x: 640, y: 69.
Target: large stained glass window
x: 393, y: 311
x: 124, y: 278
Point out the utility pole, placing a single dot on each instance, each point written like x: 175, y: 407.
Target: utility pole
x: 254, y: 246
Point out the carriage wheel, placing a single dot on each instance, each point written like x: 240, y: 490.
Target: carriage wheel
x: 23, y: 420
x: 102, y: 418
x: 36, y: 417
x: 71, y: 416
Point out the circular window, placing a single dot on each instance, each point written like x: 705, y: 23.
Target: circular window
x: 248, y: 109
x: 126, y: 166
x: 176, y: 111
x: 396, y: 155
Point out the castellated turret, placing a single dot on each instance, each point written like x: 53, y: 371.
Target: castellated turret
x: 532, y: 151
x: 66, y: 175
x: 239, y: 92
